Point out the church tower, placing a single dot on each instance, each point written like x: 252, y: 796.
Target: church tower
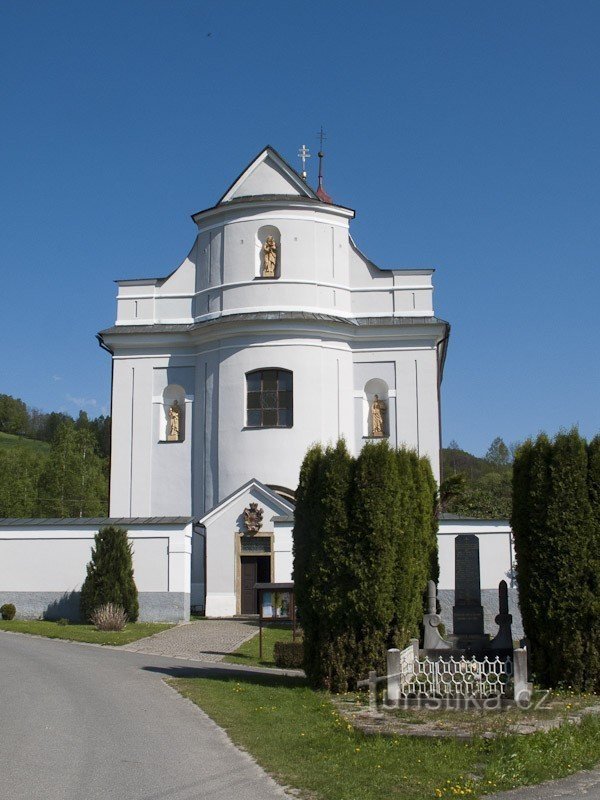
x: 274, y: 333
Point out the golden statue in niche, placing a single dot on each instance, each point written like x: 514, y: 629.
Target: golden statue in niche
x: 269, y: 258
x: 378, y: 408
x: 174, y: 415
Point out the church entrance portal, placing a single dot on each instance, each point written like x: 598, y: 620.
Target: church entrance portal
x: 255, y: 569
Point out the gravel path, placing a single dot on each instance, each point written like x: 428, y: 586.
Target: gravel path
x: 205, y: 640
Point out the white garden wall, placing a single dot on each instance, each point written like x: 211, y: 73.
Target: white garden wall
x: 43, y: 564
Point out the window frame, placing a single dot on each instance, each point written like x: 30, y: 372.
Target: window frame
x: 277, y: 390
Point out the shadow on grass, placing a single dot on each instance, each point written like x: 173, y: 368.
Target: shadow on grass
x: 230, y: 675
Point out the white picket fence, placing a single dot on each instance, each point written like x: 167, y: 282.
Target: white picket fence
x: 410, y: 676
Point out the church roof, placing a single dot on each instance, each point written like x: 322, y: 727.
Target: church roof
x: 273, y: 315
x: 268, y: 495
x: 78, y: 522
x: 269, y: 178
x: 270, y: 163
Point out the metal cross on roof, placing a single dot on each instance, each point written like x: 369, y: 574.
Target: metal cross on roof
x: 303, y: 154
x: 322, y: 136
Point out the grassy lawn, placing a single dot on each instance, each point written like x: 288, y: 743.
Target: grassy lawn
x: 8, y: 441
x: 248, y: 652
x: 298, y: 737
x: 83, y: 633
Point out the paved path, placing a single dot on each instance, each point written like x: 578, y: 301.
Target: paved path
x: 205, y: 640
x: 81, y: 722
x: 582, y: 785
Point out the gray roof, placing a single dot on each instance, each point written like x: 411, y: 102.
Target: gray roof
x: 274, y: 316
x: 447, y: 517
x: 75, y: 522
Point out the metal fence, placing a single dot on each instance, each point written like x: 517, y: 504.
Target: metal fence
x: 410, y: 676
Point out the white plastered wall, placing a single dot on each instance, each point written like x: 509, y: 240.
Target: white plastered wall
x: 44, y: 558
x: 496, y: 551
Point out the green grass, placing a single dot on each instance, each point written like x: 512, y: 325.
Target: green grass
x: 83, y: 633
x: 8, y: 442
x: 248, y: 653
x: 298, y: 737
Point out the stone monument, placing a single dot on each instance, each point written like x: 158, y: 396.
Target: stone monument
x: 503, y: 640
x: 432, y: 640
x: 468, y: 611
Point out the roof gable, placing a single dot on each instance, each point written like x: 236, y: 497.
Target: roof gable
x: 268, y: 174
x: 257, y: 490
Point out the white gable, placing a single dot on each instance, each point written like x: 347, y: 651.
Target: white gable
x: 268, y: 174
x: 232, y: 507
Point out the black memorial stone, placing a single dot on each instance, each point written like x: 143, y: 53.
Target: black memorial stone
x: 467, y: 611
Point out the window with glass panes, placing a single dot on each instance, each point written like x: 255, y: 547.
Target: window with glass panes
x: 269, y: 399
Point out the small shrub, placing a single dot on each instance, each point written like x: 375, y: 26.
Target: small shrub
x: 62, y: 621
x: 109, y: 617
x: 289, y: 655
x: 8, y: 611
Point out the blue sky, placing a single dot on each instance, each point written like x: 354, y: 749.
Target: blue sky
x: 465, y: 134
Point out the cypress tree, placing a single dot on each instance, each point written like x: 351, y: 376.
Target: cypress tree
x: 110, y: 575
x: 592, y: 677
x: 321, y: 576
x: 432, y: 531
x: 556, y: 541
x: 375, y: 529
x: 407, y: 591
x: 565, y: 561
x: 364, y: 547
x: 531, y: 488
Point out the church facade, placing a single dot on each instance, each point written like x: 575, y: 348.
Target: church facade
x: 274, y: 333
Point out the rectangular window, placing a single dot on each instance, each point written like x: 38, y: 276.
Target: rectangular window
x: 269, y: 399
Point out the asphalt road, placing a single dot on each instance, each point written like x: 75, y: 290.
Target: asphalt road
x: 84, y: 723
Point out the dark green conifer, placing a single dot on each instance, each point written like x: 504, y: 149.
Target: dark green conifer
x: 110, y: 575
x: 364, y: 548
x: 557, y: 567
x: 593, y: 655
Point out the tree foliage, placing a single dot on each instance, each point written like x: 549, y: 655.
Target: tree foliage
x: 556, y: 542
x: 20, y: 471
x: 498, y: 453
x: 74, y: 481
x: 364, y: 547
x: 13, y: 415
x: 110, y: 575
x: 477, y: 487
x: 17, y: 418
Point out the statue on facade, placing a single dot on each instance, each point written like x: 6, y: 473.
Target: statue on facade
x: 378, y: 408
x: 269, y: 257
x: 174, y: 414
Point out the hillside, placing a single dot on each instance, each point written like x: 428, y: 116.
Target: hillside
x: 474, y: 467
x: 9, y: 442
x: 475, y: 487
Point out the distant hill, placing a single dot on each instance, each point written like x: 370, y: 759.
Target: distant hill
x: 474, y: 467
x: 9, y: 442
x: 475, y: 487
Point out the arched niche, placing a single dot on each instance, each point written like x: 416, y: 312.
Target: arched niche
x: 373, y: 387
x: 173, y: 403
x: 262, y: 234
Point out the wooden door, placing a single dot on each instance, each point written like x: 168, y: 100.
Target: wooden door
x: 249, y: 604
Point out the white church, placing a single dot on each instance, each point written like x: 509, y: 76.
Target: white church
x: 274, y: 333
